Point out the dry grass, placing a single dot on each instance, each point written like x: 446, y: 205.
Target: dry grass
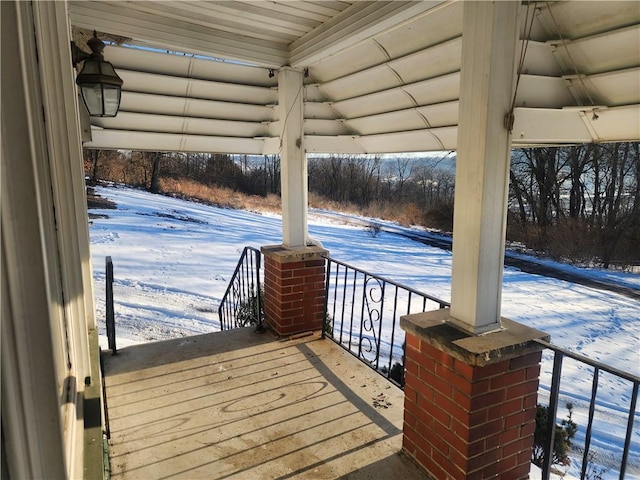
x: 409, y: 214
x: 221, y: 197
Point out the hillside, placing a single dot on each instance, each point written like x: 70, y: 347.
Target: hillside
x: 173, y: 260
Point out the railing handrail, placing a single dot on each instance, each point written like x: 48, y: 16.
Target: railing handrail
x: 442, y: 303
x: 592, y: 363
x: 236, y: 278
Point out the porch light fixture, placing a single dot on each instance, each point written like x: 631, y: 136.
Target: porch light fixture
x: 99, y: 83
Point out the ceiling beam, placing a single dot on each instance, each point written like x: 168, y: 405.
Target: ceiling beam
x: 359, y: 22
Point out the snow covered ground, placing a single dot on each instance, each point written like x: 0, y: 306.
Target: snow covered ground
x: 173, y: 261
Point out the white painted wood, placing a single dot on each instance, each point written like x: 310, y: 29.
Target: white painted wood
x: 187, y: 66
x: 359, y: 22
x: 32, y: 356
x: 168, y: 142
x: 183, y: 124
x: 482, y: 167
x: 176, y: 34
x: 369, y: 59
x: 135, y: 102
x: 194, y: 88
x: 293, y: 158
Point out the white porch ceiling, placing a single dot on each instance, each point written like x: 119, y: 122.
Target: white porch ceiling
x: 382, y: 76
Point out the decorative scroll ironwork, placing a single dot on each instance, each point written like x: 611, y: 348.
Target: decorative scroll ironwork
x: 362, y: 314
x: 373, y: 302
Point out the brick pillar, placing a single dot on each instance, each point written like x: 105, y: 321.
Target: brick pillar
x: 294, y: 288
x: 470, y: 401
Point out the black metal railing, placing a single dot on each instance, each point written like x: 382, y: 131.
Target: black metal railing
x: 241, y: 305
x: 110, y: 316
x: 587, y: 366
x: 362, y: 314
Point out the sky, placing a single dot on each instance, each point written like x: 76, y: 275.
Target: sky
x: 173, y: 260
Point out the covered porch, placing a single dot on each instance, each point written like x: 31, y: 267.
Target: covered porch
x: 292, y: 78
x: 236, y: 404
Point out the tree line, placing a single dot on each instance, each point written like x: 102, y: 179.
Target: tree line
x: 578, y: 203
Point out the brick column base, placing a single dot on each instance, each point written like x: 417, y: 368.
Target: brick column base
x: 470, y: 401
x: 294, y: 288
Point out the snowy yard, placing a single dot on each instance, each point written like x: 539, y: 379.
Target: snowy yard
x: 173, y: 261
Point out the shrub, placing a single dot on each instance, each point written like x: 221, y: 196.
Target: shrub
x: 564, y: 433
x: 328, y: 324
x: 248, y: 312
x: 373, y: 229
x: 397, y: 373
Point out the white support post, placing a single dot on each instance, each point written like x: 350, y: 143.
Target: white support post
x: 293, y: 158
x: 489, y: 46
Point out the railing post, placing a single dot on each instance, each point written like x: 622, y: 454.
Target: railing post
x: 260, y: 326
x: 627, y: 438
x: 111, y: 323
x: 294, y: 288
x: 325, y: 313
x: 470, y: 401
x: 552, y: 412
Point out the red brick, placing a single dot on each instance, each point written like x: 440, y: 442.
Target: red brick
x: 438, y: 443
x: 411, y: 368
x: 460, y: 383
x: 533, y: 372
x: 476, y: 447
x: 478, y: 417
x: 516, y: 447
x: 498, y: 467
x: 436, y: 411
x: 465, y: 370
x: 438, y: 384
x: 528, y: 429
x: 425, y: 390
x: 501, y: 438
x: 491, y: 370
x: 426, y: 362
x: 464, y: 401
x: 292, y: 265
x: 445, y: 463
x: 525, y: 360
x: 413, y: 409
x: 487, y: 399
x: 516, y: 420
x: 413, y: 342
x: 479, y: 387
x: 461, y: 414
x: 530, y: 401
x: 455, y: 436
x: 507, y: 408
x: 476, y: 420
x: 484, y: 459
x: 486, y: 430
x: 523, y: 389
x: 525, y: 455
x: 409, y: 421
x: 506, y: 379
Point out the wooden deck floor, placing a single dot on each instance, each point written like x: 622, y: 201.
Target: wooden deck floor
x: 240, y: 405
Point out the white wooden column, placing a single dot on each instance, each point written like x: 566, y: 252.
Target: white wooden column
x: 489, y: 45
x: 293, y: 158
